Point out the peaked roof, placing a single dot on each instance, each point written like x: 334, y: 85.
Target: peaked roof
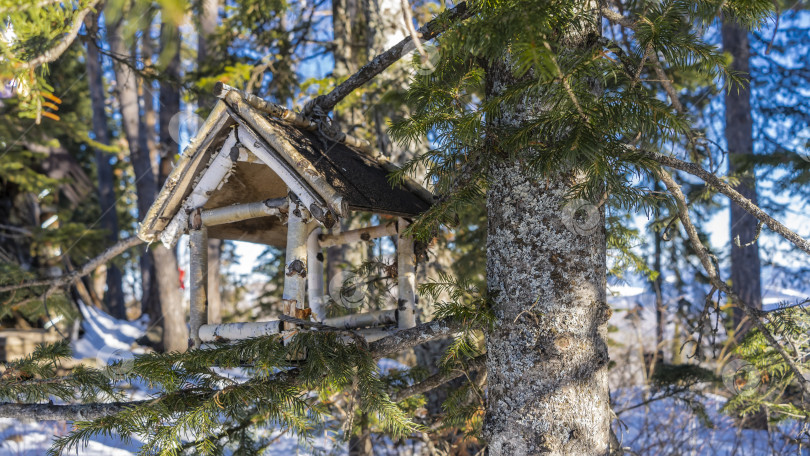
x: 337, y: 176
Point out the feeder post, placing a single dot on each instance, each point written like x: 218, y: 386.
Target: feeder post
x: 406, y: 273
x: 198, y: 269
x: 295, y: 271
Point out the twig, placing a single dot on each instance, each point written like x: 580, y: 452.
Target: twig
x: 406, y: 12
x: 715, y: 280
x: 69, y: 279
x: 732, y: 194
x: 436, y: 380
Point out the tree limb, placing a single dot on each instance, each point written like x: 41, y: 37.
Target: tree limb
x: 732, y: 194
x: 437, y: 380
x: 79, y: 412
x: 753, y: 313
x: 411, y: 337
x: 53, y: 53
x: 382, y: 61
x: 402, y: 340
x: 69, y: 279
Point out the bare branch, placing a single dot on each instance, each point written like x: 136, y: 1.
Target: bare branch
x: 753, y: 313
x: 79, y: 412
x: 382, y: 61
x: 411, y: 337
x: 437, y: 380
x: 732, y: 194
x: 69, y: 279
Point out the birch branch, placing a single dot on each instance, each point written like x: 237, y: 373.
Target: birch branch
x: 437, y: 380
x: 382, y: 61
x: 69, y: 279
x: 732, y: 194
x: 714, y: 278
x: 55, y: 52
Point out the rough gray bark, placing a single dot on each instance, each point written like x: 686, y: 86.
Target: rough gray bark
x: 172, y: 313
x: 114, y: 296
x: 51, y: 412
x: 547, y: 390
x: 745, y: 265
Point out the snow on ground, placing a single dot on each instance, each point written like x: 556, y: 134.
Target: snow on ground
x: 662, y: 427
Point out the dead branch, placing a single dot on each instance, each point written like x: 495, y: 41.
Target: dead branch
x: 437, y: 380
x: 411, y: 337
x: 732, y: 194
x: 46, y: 412
x: 326, y: 103
x: 69, y: 279
x: 753, y: 313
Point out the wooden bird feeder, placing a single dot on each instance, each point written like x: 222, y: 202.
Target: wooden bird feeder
x: 261, y: 173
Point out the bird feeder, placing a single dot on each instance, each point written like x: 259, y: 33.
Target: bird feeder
x: 260, y: 173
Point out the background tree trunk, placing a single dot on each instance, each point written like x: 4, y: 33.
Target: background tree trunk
x: 175, y: 332
x: 114, y: 296
x: 158, y: 265
x: 208, y: 24
x: 547, y: 356
x: 745, y: 265
x: 127, y: 94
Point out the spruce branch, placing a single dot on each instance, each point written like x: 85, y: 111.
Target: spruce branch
x: 753, y: 313
x: 55, y: 52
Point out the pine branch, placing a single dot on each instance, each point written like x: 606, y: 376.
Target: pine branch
x: 52, y: 412
x: 753, y: 313
x: 437, y: 380
x: 732, y: 194
x: 326, y: 103
x: 55, y: 52
x: 69, y: 279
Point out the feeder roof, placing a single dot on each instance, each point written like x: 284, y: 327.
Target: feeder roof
x: 339, y: 175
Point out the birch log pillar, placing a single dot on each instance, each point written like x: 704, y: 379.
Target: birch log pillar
x: 406, y: 273
x: 198, y: 269
x: 315, y: 274
x: 295, y: 270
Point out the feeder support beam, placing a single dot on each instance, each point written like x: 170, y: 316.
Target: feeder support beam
x: 315, y: 275
x: 406, y: 273
x: 198, y: 268
x: 295, y: 270
x: 361, y: 234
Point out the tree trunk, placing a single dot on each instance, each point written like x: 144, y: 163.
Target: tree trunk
x: 208, y: 24
x: 127, y: 93
x: 158, y: 266
x: 547, y: 356
x: 175, y: 332
x: 114, y: 296
x: 745, y: 266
